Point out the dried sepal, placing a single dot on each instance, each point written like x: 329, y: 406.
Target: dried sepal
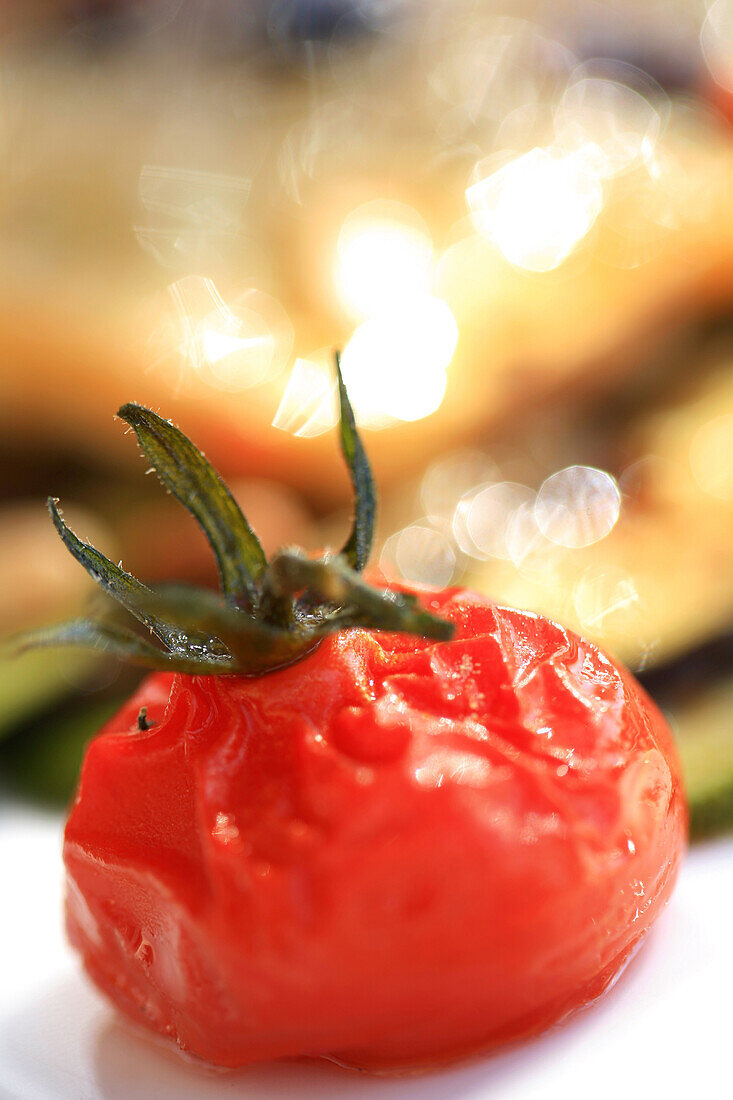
x: 112, y: 579
x: 115, y: 641
x: 358, y: 546
x: 134, y: 596
x: 267, y: 615
x: 185, y: 472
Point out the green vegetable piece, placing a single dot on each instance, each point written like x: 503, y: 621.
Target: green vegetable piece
x: 705, y: 741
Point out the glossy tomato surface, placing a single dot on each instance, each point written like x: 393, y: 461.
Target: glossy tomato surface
x: 393, y: 853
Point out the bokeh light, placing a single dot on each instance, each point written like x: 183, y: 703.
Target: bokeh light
x: 529, y: 549
x: 309, y: 404
x: 487, y: 516
x: 577, y: 506
x: 716, y: 41
x: 607, y: 120
x: 421, y: 554
x: 448, y: 479
x: 384, y: 253
x: 395, y: 364
x: 538, y: 207
x: 230, y: 346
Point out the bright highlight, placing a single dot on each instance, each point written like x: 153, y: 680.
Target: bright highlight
x: 538, y: 207
x: 384, y: 252
x: 395, y: 364
x: 309, y: 406
x: 231, y: 345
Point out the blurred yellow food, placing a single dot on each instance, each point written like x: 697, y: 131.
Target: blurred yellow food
x: 184, y: 234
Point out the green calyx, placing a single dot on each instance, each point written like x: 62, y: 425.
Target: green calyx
x: 268, y: 614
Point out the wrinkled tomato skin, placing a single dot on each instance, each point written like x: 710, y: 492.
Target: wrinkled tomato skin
x: 393, y: 854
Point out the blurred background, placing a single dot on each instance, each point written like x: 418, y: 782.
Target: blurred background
x: 515, y: 220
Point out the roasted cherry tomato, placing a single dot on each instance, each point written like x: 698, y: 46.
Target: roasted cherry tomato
x: 390, y: 828
x: 391, y: 853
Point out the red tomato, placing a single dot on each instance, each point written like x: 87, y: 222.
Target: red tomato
x: 392, y: 853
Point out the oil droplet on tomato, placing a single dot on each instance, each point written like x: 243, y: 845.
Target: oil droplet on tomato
x: 225, y: 830
x: 458, y: 767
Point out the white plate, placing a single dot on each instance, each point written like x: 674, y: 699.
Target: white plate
x: 663, y: 1031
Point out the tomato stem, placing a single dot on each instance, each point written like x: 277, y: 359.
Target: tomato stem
x: 268, y: 614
